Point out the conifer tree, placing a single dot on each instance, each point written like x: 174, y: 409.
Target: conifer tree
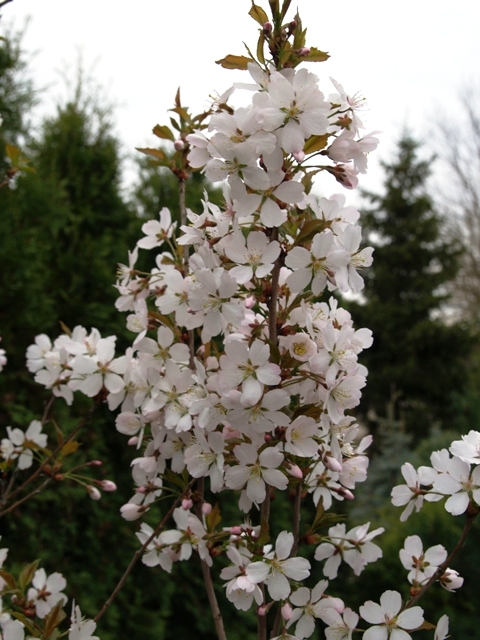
x: 416, y: 358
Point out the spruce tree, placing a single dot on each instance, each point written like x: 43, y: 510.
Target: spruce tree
x: 417, y: 359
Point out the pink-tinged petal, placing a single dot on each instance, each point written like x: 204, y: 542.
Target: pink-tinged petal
x: 300, y: 597
x: 92, y: 385
x: 391, y: 602
x: 305, y: 626
x: 296, y: 568
x: 457, y: 504
x: 284, y: 545
x: 375, y: 633
x: 269, y: 374
x: 56, y: 582
x: 291, y: 192
x: 236, y: 477
x: 278, y: 586
x: 271, y: 458
x: 256, y: 489
x: 372, y: 612
x: 275, y: 478
x: 410, y: 618
x: 257, y: 572
x: 113, y: 382
x: 399, y: 634
x: 252, y: 391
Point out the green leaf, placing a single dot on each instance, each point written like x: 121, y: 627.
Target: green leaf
x: 316, y: 143
x: 285, y: 7
x: 53, y: 619
x: 285, y: 54
x: 163, y: 132
x: 258, y: 14
x: 234, y: 62
x: 309, y: 229
x: 315, y: 55
x: 27, y: 574
x: 183, y: 113
x: 65, y: 329
x: 68, y: 448
x: 260, y: 45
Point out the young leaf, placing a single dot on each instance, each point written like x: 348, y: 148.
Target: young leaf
x: 285, y: 7
x: 260, y: 45
x: 70, y: 447
x: 316, y: 55
x: 315, y: 143
x: 155, y: 153
x: 213, y: 519
x: 53, y: 619
x: 258, y: 14
x: 234, y: 62
x: 9, y: 579
x: 27, y: 574
x: 163, y: 132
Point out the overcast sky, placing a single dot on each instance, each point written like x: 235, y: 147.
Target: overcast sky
x: 409, y: 58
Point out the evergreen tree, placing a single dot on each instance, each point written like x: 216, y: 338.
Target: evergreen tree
x: 416, y: 357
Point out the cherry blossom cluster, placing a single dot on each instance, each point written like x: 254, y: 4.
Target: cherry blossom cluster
x: 454, y: 473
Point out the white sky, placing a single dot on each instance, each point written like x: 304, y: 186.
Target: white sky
x: 408, y: 58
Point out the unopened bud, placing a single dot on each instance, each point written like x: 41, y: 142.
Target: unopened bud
x: 94, y: 463
x: 286, y: 611
x: 293, y: 25
x: 133, y: 440
x: 262, y: 611
x: 347, y: 494
x: 332, y: 464
x: 299, y: 156
x: 267, y: 437
x: 295, y: 471
x: 131, y: 511
x: 141, y: 490
x: 304, y: 51
x: 250, y: 302
x: 267, y: 28
x: 206, y: 508
x: 93, y: 492
x: 187, y: 504
x: 236, y: 530
x: 107, y: 485
x: 179, y: 145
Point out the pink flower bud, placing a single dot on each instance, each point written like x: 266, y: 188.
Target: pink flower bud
x: 236, y: 530
x: 93, y: 492
x: 337, y: 604
x: 267, y: 28
x: 332, y: 464
x: 94, y: 463
x: 206, y: 508
x: 262, y: 611
x: 107, y: 485
x: 267, y: 437
x: 131, y: 511
x: 304, y: 51
x: 133, y: 440
x: 187, y: 504
x: 295, y: 471
x: 179, y: 145
x: 286, y: 611
x: 141, y: 490
x: 250, y: 302
x: 347, y: 494
x: 299, y: 156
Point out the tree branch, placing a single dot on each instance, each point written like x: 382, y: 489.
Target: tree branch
x: 140, y: 551
x: 469, y: 519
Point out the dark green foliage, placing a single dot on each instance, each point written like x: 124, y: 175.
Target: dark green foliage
x: 417, y: 359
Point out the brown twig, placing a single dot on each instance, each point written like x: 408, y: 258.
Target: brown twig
x: 25, y: 498
x: 41, y: 468
x: 140, y: 551
x: 469, y: 519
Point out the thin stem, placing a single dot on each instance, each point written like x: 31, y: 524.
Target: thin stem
x: 140, y: 551
x: 207, y: 576
x: 262, y: 620
x: 48, y: 406
x: 469, y: 519
x: 272, y: 304
x: 296, y: 519
x: 25, y: 498
x: 183, y: 221
x: 41, y: 468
